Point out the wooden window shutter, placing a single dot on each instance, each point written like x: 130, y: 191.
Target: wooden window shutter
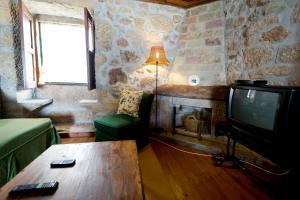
x: 27, y: 46
x: 90, y: 48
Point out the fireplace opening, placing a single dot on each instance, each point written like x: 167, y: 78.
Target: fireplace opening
x: 192, y: 121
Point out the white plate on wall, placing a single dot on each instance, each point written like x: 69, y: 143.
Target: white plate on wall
x: 193, y: 80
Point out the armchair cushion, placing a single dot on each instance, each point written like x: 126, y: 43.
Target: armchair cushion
x: 130, y: 102
x: 119, y: 126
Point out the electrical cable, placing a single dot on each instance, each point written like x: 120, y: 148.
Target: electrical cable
x: 210, y: 155
x: 265, y: 170
x: 188, y: 152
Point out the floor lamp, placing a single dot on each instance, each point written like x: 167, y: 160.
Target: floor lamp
x: 157, y: 57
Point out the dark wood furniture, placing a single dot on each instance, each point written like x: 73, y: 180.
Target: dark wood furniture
x: 181, y: 3
x: 218, y: 93
x: 103, y: 170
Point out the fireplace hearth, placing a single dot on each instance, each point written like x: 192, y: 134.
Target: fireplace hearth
x: 192, y: 121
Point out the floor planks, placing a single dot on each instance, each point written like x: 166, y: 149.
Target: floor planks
x: 196, y: 177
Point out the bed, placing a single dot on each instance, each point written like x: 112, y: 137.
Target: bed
x: 21, y: 141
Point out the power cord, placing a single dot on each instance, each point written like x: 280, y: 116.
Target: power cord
x: 188, y: 152
x: 265, y: 170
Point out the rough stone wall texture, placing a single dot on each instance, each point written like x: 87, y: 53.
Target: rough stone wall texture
x: 263, y: 40
x: 201, y: 49
x: 9, y: 59
x: 125, y: 32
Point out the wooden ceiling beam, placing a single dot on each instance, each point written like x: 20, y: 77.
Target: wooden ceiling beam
x: 180, y: 3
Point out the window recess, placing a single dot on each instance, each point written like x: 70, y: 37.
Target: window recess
x: 62, y: 47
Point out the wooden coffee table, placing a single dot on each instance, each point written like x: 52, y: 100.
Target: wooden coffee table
x: 103, y: 170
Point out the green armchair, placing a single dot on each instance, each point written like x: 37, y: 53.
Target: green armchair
x: 125, y: 127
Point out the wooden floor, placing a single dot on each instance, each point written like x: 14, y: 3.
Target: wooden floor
x: 196, y: 177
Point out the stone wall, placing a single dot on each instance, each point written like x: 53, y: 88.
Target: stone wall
x: 201, y: 48
x: 263, y: 40
x: 125, y: 32
x: 8, y: 60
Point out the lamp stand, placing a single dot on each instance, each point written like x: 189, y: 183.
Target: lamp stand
x: 157, y: 56
x: 156, y: 128
x: 156, y: 80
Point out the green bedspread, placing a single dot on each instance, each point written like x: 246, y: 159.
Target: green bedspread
x: 21, y: 141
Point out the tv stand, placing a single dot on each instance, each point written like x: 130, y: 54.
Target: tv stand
x: 219, y: 158
x: 222, y: 129
x: 235, y: 162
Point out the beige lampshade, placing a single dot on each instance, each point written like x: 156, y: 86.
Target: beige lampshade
x: 158, y: 55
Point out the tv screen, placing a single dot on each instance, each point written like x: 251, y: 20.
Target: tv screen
x: 257, y: 108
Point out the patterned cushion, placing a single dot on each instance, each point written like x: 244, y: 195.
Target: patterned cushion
x: 130, y: 102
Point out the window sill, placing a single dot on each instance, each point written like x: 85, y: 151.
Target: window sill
x: 89, y: 103
x: 34, y: 104
x: 61, y: 83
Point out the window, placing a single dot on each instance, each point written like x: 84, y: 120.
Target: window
x: 28, y: 47
x: 66, y: 52
x: 63, y: 53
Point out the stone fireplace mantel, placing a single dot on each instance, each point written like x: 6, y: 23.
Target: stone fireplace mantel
x: 194, y: 92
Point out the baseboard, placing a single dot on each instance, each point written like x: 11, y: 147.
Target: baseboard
x: 76, y: 134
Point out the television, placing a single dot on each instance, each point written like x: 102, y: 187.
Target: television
x: 266, y: 119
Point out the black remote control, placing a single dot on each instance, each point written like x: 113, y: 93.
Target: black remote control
x: 62, y: 163
x: 44, y: 188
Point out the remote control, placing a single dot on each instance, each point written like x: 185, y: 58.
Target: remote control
x: 260, y: 82
x: 47, y: 187
x: 62, y: 163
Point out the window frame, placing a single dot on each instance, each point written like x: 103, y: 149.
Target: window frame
x: 36, y: 48
x: 24, y: 12
x: 90, y: 54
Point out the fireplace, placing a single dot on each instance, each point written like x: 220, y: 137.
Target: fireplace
x: 190, y: 110
x: 192, y: 121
